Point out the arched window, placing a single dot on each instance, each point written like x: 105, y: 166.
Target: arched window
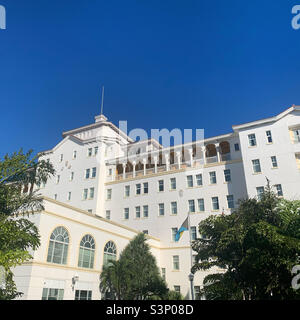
x: 110, y: 253
x: 86, y: 252
x: 58, y: 246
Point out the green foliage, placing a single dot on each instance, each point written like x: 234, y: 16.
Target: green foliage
x: 173, y: 295
x: 18, y: 235
x: 256, y: 246
x: 135, y: 276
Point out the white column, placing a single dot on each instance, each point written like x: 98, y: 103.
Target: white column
x: 134, y: 164
x: 155, y: 164
x: 218, y: 151
x: 204, y: 154
x: 101, y: 178
x: 124, y: 170
x: 178, y: 155
x: 191, y: 156
x: 144, y: 163
x: 167, y: 161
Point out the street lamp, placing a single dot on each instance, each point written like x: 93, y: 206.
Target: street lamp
x: 74, y: 280
x: 191, y: 278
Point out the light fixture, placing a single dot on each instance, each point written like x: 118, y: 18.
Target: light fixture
x: 74, y: 280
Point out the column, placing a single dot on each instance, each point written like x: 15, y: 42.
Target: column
x: 155, y: 164
x: 167, y: 159
x: 144, y: 163
x: 124, y: 170
x: 204, y: 154
x: 218, y: 151
x: 134, y: 164
x: 178, y: 155
x: 191, y: 156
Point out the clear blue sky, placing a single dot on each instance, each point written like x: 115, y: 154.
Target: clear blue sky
x: 164, y: 63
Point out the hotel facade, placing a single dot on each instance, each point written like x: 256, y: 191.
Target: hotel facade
x: 108, y: 188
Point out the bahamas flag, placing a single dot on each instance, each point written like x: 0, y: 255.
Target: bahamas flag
x: 184, y: 227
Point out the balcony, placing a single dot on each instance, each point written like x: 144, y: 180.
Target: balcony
x: 196, y: 163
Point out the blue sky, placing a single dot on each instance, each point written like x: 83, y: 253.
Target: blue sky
x: 164, y: 64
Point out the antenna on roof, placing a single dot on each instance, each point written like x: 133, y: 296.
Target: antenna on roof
x: 102, y: 101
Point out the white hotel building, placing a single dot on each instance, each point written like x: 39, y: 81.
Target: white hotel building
x: 106, y: 190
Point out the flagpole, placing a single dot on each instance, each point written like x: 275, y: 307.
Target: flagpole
x: 191, y: 276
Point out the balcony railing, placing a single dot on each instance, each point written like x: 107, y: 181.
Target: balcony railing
x: 174, y: 166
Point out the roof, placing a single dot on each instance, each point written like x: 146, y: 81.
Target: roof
x: 266, y: 120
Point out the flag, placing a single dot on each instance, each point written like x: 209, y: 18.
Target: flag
x: 184, y: 227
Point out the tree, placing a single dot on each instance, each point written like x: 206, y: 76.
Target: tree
x: 257, y: 246
x: 135, y: 276
x: 18, y: 236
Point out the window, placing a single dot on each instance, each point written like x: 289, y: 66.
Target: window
x: 145, y: 231
x: 191, y: 205
x: 92, y: 192
x: 83, y: 295
x: 296, y: 134
x: 174, y: 207
x: 215, y: 203
x: 85, y: 194
x: 74, y: 154
x: 90, y: 210
x: 227, y: 175
x: 201, y: 205
x: 52, y: 294
x: 175, y: 262
x: 145, y: 184
x: 58, y: 246
x: 212, y: 177
x: 174, y: 232
x: 55, y: 196
x: 110, y: 253
x: 127, y: 191
x: 94, y: 171
x: 230, y: 202
x: 61, y: 158
x: 189, y: 180
x: 138, y: 188
x: 199, y: 181
x: 260, y: 192
x: 95, y: 151
x: 145, y: 211
x: 69, y: 196
x: 57, y: 179
x: 236, y: 147
x: 252, y: 140
x: 256, y: 166
x: 126, y: 213
x: 173, y: 183
x: 109, y: 172
x: 163, y: 273
x: 161, y: 209
x: 71, y: 176
x: 107, y: 214
x: 86, y: 252
x: 87, y: 173
x: 193, y: 233
x: 161, y: 185
x: 177, y: 289
x: 279, y: 190
x: 108, y: 194
x: 137, y: 212
x: 274, y: 162
x: 269, y: 136
x: 90, y: 152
